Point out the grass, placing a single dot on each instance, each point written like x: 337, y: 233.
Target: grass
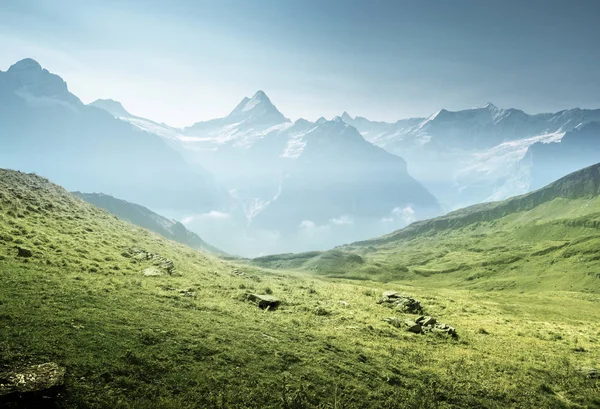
x: 191, y: 340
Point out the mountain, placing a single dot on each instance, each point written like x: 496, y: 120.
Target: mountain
x: 474, y: 155
x: 250, y: 116
x: 544, y: 240
x: 46, y: 129
x: 147, y: 219
x: 297, y: 185
x: 116, y: 109
x: 578, y: 148
x: 334, y: 173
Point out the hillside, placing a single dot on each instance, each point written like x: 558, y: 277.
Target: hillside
x: 546, y: 239
x: 142, y: 322
x: 147, y: 219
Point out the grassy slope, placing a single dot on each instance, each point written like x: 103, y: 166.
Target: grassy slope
x: 546, y: 240
x: 130, y: 341
x: 146, y: 218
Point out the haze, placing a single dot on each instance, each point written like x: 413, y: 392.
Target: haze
x: 180, y: 62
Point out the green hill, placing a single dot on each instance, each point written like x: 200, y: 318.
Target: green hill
x: 139, y: 321
x: 544, y: 240
x: 146, y: 218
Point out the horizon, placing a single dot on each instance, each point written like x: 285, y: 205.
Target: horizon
x: 388, y: 62
x: 293, y: 119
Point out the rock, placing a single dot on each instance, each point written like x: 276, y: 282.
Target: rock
x: 264, y: 301
x: 24, y: 252
x: 390, y: 294
x: 412, y: 326
x: 402, y: 303
x: 408, y: 325
x: 34, y: 382
x: 426, y: 321
x: 152, y: 272
x: 588, y: 372
x: 445, y: 329
x: 344, y: 303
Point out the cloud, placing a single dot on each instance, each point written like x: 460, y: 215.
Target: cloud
x: 212, y: 215
x: 344, y: 219
x: 307, y: 224
x: 404, y: 215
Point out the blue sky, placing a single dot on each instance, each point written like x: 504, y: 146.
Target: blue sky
x: 185, y: 61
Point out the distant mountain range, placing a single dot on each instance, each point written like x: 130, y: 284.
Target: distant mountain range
x: 255, y: 181
x: 146, y: 218
x: 474, y: 155
x: 297, y: 185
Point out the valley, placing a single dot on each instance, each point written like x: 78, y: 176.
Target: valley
x: 91, y: 296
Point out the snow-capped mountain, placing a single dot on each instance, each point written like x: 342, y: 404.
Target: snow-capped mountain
x: 46, y: 129
x: 298, y: 185
x: 577, y: 149
x: 116, y: 109
x: 279, y: 171
x: 474, y: 155
x: 251, y: 118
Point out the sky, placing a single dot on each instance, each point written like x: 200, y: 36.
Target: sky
x: 181, y: 62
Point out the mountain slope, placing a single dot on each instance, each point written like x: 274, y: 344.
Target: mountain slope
x: 147, y: 219
x: 297, y: 186
x: 474, y: 155
x: 46, y: 129
x: 578, y: 148
x: 546, y: 239
x: 191, y: 339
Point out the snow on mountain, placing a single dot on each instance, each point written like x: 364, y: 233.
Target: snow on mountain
x: 46, y: 129
x: 117, y: 110
x: 468, y: 156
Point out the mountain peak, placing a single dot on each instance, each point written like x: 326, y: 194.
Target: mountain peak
x: 489, y: 105
x: 259, y: 108
x: 115, y: 108
x: 261, y: 96
x: 26, y: 64
x: 29, y: 78
x: 346, y: 117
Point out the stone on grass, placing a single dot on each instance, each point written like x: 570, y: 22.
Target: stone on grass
x: 412, y: 326
x: 152, y: 272
x: 426, y: 321
x: 264, y: 301
x: 24, y: 252
x: 402, y: 303
x: 41, y: 382
x: 408, y: 325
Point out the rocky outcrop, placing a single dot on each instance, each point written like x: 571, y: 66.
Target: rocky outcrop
x: 160, y: 264
x: 422, y: 325
x: 31, y: 385
x: 401, y: 303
